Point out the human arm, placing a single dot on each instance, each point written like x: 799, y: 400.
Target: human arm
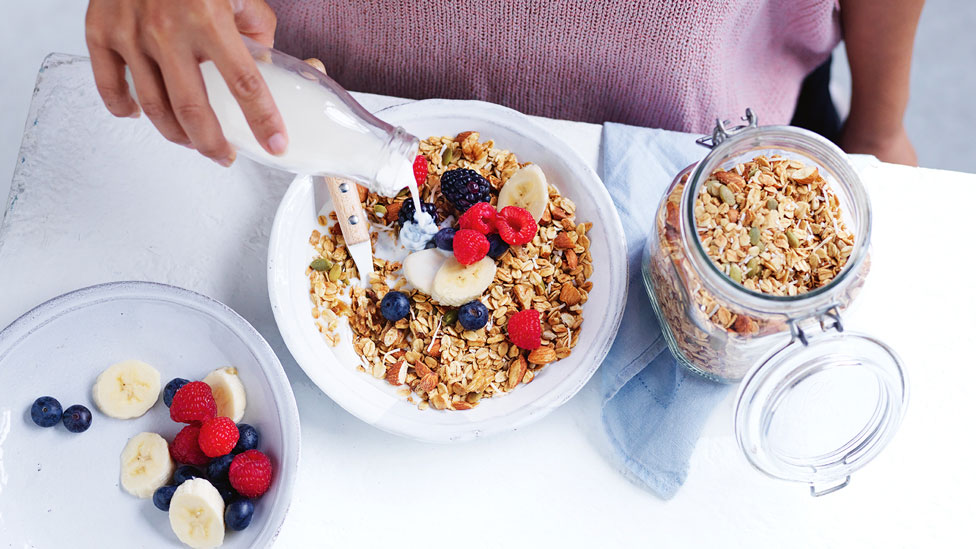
x: 163, y: 42
x: 879, y: 36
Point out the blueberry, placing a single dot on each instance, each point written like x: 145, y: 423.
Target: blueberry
x: 445, y: 239
x: 171, y: 388
x: 46, y: 411
x: 408, y: 209
x: 497, y: 246
x: 238, y: 514
x: 218, y: 468
x: 227, y: 493
x: 247, y: 439
x: 184, y: 473
x: 473, y: 315
x: 77, y: 418
x: 394, y: 306
x: 162, y: 496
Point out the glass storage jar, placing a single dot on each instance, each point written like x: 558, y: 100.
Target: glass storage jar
x: 815, y: 402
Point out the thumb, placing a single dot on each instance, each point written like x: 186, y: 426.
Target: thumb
x: 255, y: 19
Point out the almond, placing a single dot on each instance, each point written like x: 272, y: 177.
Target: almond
x: 435, y: 348
x: 732, y: 180
x: 462, y: 405
x: 427, y: 383
x: 542, y: 355
x: 396, y: 374
x: 569, y: 294
x: 463, y: 136
x: 392, y: 212
x: 571, y: 259
x: 516, y: 371
x: 422, y: 370
x: 805, y: 175
x: 559, y: 214
x: 363, y: 191
x: 562, y: 241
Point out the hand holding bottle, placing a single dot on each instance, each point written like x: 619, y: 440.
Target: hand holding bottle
x: 163, y: 43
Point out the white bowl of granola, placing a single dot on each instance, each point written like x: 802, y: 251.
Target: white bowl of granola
x: 480, y: 383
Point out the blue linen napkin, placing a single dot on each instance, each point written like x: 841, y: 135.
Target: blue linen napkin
x: 653, y: 409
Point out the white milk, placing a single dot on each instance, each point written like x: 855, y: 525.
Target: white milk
x: 325, y: 136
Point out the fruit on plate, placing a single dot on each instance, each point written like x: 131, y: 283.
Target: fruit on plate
x: 250, y: 473
x: 420, y: 170
x: 444, y: 239
x: 196, y: 514
x: 456, y: 284
x: 419, y: 268
x: 496, y: 246
x: 248, y: 439
x: 126, y: 389
x: 228, y: 392
x: 480, y: 217
x: 186, y: 447
x: 238, y: 514
x: 218, y: 436
x: 525, y: 329
x: 46, y: 411
x: 170, y: 389
x: 193, y: 403
x: 526, y: 188
x: 146, y: 464
x: 77, y: 418
x: 163, y: 496
x: 473, y: 315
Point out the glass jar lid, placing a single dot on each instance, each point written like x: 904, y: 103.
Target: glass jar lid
x: 821, y: 408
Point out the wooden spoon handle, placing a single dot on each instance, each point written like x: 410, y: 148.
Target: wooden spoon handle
x: 349, y: 210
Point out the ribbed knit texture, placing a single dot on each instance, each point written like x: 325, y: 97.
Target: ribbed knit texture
x: 673, y: 64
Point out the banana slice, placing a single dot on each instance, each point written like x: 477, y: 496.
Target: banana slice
x: 127, y: 389
x: 527, y: 188
x: 196, y: 514
x: 456, y: 284
x: 421, y: 267
x: 228, y: 391
x: 146, y: 464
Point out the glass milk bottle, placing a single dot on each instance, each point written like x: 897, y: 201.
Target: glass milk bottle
x: 329, y: 133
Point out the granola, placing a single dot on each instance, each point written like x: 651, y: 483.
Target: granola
x: 772, y: 225
x: 428, y: 355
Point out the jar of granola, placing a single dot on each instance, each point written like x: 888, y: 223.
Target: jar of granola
x: 757, y: 251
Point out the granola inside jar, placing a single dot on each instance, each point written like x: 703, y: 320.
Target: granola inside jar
x: 755, y: 253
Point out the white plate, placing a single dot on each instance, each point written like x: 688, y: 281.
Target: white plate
x: 376, y: 402
x: 60, y: 489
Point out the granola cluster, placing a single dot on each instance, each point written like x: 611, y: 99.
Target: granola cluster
x: 433, y: 360
x: 772, y: 225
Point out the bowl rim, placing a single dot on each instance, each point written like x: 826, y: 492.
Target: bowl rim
x: 284, y: 398
x: 617, y: 269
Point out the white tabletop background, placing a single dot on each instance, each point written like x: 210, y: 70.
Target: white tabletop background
x: 96, y: 199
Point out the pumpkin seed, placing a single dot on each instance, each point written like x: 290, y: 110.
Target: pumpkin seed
x: 404, y: 192
x: 726, y: 194
x: 448, y: 156
x: 712, y: 186
x: 772, y: 204
x: 321, y: 264
x: 379, y: 210
x: 449, y: 318
x: 792, y: 239
x: 335, y: 272
x: 754, y: 236
x: 735, y: 273
x: 753, y: 266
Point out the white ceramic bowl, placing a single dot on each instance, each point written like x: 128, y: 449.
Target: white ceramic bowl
x: 376, y: 402
x: 60, y: 489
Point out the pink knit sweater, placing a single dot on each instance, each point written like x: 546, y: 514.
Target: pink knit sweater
x: 674, y: 64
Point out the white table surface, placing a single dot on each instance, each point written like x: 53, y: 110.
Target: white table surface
x: 96, y: 199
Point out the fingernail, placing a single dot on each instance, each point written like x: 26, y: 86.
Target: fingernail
x: 225, y: 162
x: 136, y: 114
x: 277, y: 144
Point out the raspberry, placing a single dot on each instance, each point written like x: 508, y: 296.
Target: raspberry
x: 185, y: 448
x: 420, y: 170
x: 525, y: 329
x: 480, y: 217
x: 250, y: 473
x: 464, y: 188
x: 516, y: 225
x: 193, y: 403
x: 218, y: 436
x: 469, y: 246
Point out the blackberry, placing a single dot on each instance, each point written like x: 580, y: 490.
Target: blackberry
x: 464, y: 188
x: 408, y: 209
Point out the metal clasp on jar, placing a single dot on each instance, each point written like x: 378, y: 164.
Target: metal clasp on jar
x: 830, y: 319
x: 722, y: 131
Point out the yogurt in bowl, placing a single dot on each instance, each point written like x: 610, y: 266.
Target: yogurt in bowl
x: 376, y: 401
